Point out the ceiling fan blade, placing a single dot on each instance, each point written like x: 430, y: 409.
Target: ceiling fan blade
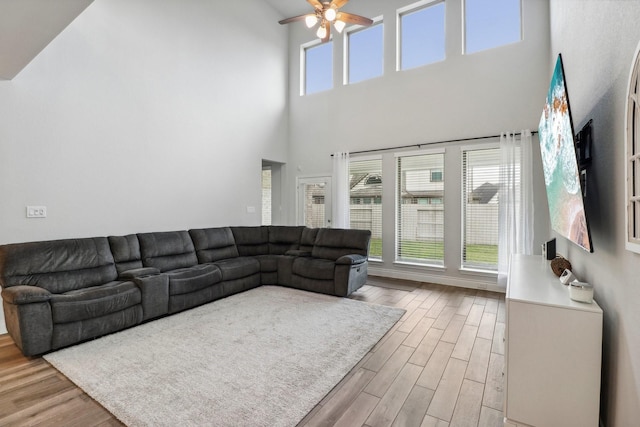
x: 354, y: 19
x: 339, y: 3
x: 295, y: 18
x: 315, y: 3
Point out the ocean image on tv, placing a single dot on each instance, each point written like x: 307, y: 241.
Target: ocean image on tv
x: 561, y: 176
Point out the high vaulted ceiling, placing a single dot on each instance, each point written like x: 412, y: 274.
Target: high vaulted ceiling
x: 288, y: 8
x: 28, y: 26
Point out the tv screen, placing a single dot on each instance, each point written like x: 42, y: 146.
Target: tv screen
x: 559, y: 161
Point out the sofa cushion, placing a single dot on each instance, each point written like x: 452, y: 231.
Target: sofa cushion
x: 95, y: 301
x: 314, y: 268
x: 308, y: 238
x: 268, y: 263
x: 126, y: 252
x: 332, y: 243
x: 237, y: 268
x: 59, y: 265
x: 168, y: 250
x: 191, y: 279
x: 65, y: 334
x: 213, y: 244
x: 283, y: 238
x: 251, y: 241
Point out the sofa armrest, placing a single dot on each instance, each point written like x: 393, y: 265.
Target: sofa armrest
x: 138, y: 272
x: 25, y: 294
x: 351, y: 259
x: 296, y: 252
x: 27, y: 312
x: 155, y: 294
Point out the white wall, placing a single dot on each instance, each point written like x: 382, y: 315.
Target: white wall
x: 597, y: 40
x: 485, y: 93
x: 145, y: 116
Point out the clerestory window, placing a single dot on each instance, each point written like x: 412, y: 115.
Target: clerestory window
x: 364, y: 53
x: 421, y: 34
x: 318, y: 67
x: 491, y: 23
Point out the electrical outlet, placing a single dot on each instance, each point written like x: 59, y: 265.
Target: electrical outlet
x: 36, y: 211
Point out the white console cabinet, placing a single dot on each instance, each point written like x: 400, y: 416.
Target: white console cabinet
x: 553, y: 350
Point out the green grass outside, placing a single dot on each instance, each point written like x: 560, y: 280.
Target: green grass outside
x: 485, y: 254
x: 375, y: 248
x: 422, y: 250
x: 482, y: 254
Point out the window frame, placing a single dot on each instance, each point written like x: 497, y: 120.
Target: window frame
x: 430, y: 263
x: 372, y: 201
x: 464, y: 31
x: 632, y: 157
x: 463, y: 215
x: 379, y: 20
x: 413, y: 7
x: 303, y: 65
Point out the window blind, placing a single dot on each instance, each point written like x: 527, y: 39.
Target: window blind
x: 420, y: 215
x: 365, y: 183
x: 481, y: 184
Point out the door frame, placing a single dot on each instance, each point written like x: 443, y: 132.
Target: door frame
x: 301, y: 181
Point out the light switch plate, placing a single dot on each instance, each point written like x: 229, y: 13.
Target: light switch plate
x: 36, y: 211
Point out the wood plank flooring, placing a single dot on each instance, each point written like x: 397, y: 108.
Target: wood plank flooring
x: 440, y: 365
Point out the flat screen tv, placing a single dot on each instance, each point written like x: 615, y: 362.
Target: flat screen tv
x: 560, y: 164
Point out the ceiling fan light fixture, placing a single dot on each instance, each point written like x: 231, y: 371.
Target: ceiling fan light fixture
x: 330, y: 14
x: 322, y: 32
x: 327, y: 13
x: 310, y: 20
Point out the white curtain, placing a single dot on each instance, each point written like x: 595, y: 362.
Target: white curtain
x: 341, y: 190
x: 515, y: 200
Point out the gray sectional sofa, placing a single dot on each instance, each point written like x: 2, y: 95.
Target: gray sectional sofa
x: 62, y: 292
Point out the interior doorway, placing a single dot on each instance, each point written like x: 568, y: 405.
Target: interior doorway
x: 271, y: 183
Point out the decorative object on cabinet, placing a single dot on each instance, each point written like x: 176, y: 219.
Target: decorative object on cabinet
x: 581, y: 292
x: 567, y: 277
x: 559, y: 265
x: 549, y: 249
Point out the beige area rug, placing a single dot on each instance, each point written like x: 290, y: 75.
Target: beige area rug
x: 264, y: 357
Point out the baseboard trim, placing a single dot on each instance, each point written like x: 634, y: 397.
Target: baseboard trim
x: 425, y: 276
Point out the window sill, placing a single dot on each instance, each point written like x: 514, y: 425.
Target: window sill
x: 420, y: 265
x: 478, y: 272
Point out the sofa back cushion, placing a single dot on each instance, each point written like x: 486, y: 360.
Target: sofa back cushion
x: 126, y: 252
x: 213, y: 244
x: 58, y: 265
x: 308, y: 239
x: 283, y: 238
x: 251, y: 241
x: 332, y: 243
x: 167, y: 250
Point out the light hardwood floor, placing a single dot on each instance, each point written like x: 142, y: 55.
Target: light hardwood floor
x: 440, y: 365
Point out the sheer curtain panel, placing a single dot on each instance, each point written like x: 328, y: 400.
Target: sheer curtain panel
x: 516, y: 200
x: 341, y: 217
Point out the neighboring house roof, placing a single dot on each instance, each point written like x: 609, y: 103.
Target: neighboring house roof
x: 484, y: 193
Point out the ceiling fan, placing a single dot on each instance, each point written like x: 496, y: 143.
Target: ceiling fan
x: 327, y: 13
